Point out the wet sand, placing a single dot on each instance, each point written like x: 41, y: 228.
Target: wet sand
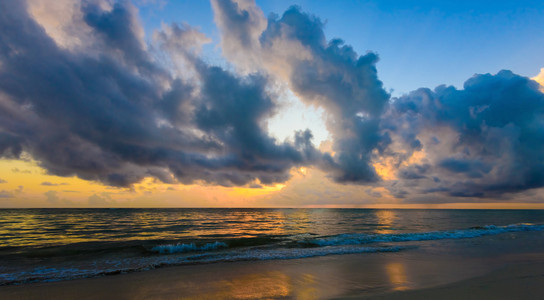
x: 524, y: 281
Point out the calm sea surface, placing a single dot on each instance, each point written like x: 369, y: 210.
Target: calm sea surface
x: 58, y: 244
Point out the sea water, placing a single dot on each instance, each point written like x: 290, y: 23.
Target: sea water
x: 38, y: 245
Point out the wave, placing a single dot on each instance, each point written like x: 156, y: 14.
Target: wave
x: 183, y: 248
x: 147, y: 263
x: 358, y: 239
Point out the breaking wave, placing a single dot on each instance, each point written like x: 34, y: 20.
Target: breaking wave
x: 183, y: 248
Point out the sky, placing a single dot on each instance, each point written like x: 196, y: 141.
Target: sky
x: 241, y: 103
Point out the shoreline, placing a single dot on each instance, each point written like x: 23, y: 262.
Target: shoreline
x: 404, y: 275
x: 497, y: 266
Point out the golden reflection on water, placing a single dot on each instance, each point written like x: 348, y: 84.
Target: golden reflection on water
x: 40, y: 227
x: 397, y: 276
x: 246, y: 224
x: 386, y: 218
x: 297, y: 220
x: 61, y: 227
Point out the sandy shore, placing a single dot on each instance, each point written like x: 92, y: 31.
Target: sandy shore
x: 409, y: 275
x: 524, y: 281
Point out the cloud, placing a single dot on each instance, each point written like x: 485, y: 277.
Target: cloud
x: 52, y: 197
x: 47, y: 183
x: 110, y: 112
x: 6, y: 194
x: 327, y: 74
x: 241, y: 24
x: 87, y: 95
x: 481, y: 141
x: 62, y: 21
x: 2, y: 180
x: 100, y: 201
x: 181, y: 45
x: 484, y: 140
x: 17, y: 170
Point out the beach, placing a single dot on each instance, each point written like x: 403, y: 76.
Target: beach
x: 512, y: 271
x: 267, y: 149
x: 271, y: 254
x: 515, y: 281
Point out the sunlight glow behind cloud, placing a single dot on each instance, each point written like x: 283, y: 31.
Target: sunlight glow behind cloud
x: 540, y: 79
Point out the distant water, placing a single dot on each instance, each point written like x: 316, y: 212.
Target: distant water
x: 59, y: 244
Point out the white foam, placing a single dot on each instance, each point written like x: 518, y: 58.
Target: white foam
x: 290, y: 253
x: 183, y: 248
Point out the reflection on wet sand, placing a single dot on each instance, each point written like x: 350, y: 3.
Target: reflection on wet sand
x: 254, y: 286
x: 267, y: 285
x: 397, y: 276
x: 306, y: 289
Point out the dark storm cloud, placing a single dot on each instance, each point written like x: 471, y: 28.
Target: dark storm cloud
x: 490, y: 134
x: 10, y: 145
x: 472, y: 168
x: 116, y: 29
x: 230, y: 113
x: 224, y: 100
x: 117, y: 116
x: 414, y: 171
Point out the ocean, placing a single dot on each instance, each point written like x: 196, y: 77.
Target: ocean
x: 42, y: 245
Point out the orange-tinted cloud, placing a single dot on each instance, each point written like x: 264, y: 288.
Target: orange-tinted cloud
x: 540, y: 79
